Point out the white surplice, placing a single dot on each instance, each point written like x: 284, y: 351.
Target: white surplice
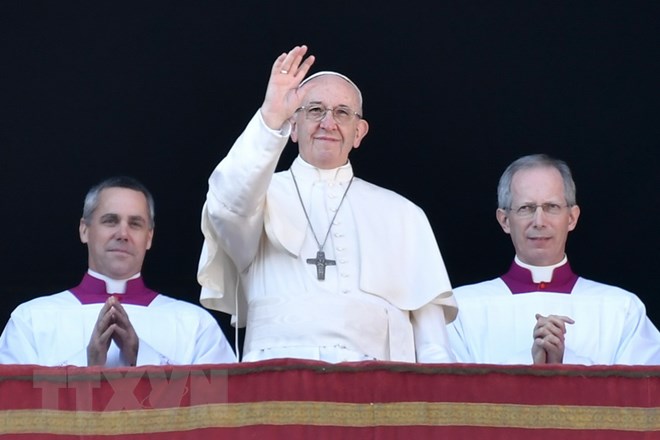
x: 495, y: 326
x: 55, y: 330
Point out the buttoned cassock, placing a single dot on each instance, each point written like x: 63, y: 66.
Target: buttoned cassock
x: 388, y: 297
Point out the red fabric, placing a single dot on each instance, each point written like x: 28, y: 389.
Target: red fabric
x: 464, y: 391
x: 380, y: 433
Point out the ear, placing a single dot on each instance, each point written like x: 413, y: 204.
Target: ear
x: 573, y: 216
x: 150, y: 239
x: 361, y: 130
x: 503, y: 219
x: 83, y: 230
x: 294, y: 129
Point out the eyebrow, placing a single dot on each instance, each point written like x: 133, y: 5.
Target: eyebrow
x: 321, y: 103
x: 131, y: 218
x: 137, y: 218
x: 529, y: 202
x: 109, y: 216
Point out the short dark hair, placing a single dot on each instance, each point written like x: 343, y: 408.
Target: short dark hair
x: 92, y: 197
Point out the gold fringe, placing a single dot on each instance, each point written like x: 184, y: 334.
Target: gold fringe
x: 234, y: 415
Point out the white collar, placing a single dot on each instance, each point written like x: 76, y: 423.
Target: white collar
x: 541, y: 273
x: 112, y: 285
x: 307, y: 172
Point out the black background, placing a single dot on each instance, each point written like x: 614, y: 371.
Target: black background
x: 453, y: 92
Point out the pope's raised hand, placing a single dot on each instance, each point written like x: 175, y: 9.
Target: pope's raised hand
x: 282, y: 94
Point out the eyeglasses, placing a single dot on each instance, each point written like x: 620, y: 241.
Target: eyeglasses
x: 316, y: 112
x: 530, y: 209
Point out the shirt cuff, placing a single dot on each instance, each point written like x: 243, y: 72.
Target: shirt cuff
x: 284, y: 131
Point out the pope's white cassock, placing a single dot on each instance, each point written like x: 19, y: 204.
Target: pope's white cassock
x: 497, y: 319
x: 55, y: 330
x: 387, y: 296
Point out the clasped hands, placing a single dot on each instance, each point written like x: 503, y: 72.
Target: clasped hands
x: 112, y: 325
x: 549, y: 331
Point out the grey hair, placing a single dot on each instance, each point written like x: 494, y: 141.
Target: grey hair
x: 92, y: 197
x: 344, y: 77
x: 504, y: 198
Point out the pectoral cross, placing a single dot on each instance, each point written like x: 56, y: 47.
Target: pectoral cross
x: 320, y: 262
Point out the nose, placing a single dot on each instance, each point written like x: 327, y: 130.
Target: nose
x: 328, y: 119
x: 538, y: 218
x: 122, y: 231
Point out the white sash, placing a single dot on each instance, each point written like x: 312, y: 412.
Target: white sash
x: 306, y: 326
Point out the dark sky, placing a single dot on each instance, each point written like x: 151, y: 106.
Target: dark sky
x: 453, y: 93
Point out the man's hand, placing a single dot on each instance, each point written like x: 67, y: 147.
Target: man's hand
x: 112, y: 324
x: 548, y: 347
x: 282, y: 94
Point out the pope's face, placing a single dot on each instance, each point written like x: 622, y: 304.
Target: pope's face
x: 540, y: 239
x: 118, y: 234
x: 325, y: 143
